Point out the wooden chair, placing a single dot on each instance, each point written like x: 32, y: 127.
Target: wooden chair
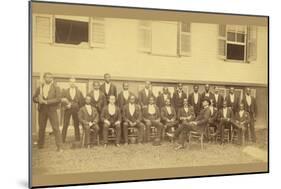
x: 83, y: 137
x: 234, y: 135
x: 227, y: 134
x: 197, y: 135
x: 132, y: 134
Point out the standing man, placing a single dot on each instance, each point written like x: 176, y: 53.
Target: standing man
x: 225, y: 117
x: 218, y: 99
x: 161, y: 99
x: 89, y: 118
x: 178, y: 97
x: 207, y: 93
x: 107, y: 87
x: 251, y: 107
x: 169, y: 116
x: 48, y: 97
x: 145, y: 94
x: 111, y: 117
x: 151, y: 117
x: 98, y: 99
x: 194, y: 99
x: 124, y: 96
x: 199, y: 124
x: 73, y: 100
x: 232, y: 100
x: 132, y: 117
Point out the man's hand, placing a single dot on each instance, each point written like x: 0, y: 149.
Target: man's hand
x: 117, y: 122
x: 133, y: 124
x: 106, y: 121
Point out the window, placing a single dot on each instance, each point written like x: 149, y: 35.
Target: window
x: 43, y: 28
x: 97, y: 32
x: 237, y: 42
x: 184, y: 39
x: 145, y: 36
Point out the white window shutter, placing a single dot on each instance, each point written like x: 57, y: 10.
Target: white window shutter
x: 252, y: 43
x: 184, y: 39
x: 145, y: 36
x: 44, y: 28
x: 222, y: 41
x: 97, y: 35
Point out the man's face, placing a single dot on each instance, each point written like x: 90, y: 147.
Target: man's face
x: 168, y: 102
x: 112, y: 99
x: 96, y: 85
x: 224, y: 104
x: 248, y: 91
x: 211, y: 102
x: 88, y: 100
x: 231, y: 90
x: 207, y: 88
x: 180, y: 86
x: 185, y: 102
x: 165, y: 90
x: 205, y: 103
x: 147, y: 85
x: 107, y: 78
x: 72, y: 82
x: 151, y: 100
x: 126, y: 86
x: 241, y: 106
x: 216, y: 90
x: 48, y: 78
x: 132, y: 99
x: 196, y: 88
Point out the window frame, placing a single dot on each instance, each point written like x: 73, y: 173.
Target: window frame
x: 180, y: 33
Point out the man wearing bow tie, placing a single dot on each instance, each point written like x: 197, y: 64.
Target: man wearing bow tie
x: 251, y: 107
x: 169, y: 116
x: 98, y: 100
x: 73, y: 100
x: 89, y: 118
x: 107, y: 87
x: 145, y: 94
x: 195, y: 100
x: 124, y: 96
x: 218, y: 98
x: 161, y: 99
x: 225, y: 117
x: 207, y: 93
x: 48, y: 97
x: 232, y: 100
x: 178, y: 97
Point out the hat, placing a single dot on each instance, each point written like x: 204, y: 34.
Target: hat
x: 208, y: 100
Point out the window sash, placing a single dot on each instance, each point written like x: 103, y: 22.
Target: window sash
x: 44, y: 28
x: 97, y: 34
x: 184, y: 42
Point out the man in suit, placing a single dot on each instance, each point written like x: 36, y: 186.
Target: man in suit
x: 178, y: 97
x: 151, y: 117
x: 161, y: 99
x: 225, y: 117
x: 194, y: 99
x: 169, y: 116
x: 251, y: 107
x: 145, y: 94
x: 212, y: 122
x: 199, y: 124
x: 185, y: 116
x: 240, y: 122
x: 218, y: 98
x: 232, y: 100
x: 73, y: 100
x: 124, y: 96
x: 89, y: 118
x: 111, y: 117
x: 108, y: 88
x: 98, y: 99
x: 48, y: 98
x: 132, y: 117
x: 207, y: 93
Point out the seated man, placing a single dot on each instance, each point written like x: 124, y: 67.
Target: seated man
x: 169, y: 116
x: 224, y: 117
x: 212, y: 122
x: 151, y: 117
x: 132, y: 118
x: 185, y: 116
x: 240, y: 121
x: 89, y: 117
x: 199, y: 124
x: 111, y: 117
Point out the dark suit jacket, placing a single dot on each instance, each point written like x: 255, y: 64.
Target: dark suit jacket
x: 244, y: 119
x: 165, y: 116
x: 100, y: 103
x: 53, y: 99
x: 196, y: 107
x: 184, y: 114
x: 218, y: 104
x: 121, y: 101
x: 214, y: 116
x: 229, y: 114
x: 211, y: 96
x: 177, y: 100
x: 155, y: 116
x: 234, y: 105
x: 111, y: 118
x: 136, y: 117
x: 160, y: 101
x: 112, y: 90
x: 78, y: 100
x: 85, y: 118
x: 252, y: 108
x: 203, y: 117
x: 143, y: 99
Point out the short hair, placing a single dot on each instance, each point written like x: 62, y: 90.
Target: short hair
x: 195, y: 86
x: 47, y: 73
x: 106, y: 74
x: 72, y: 79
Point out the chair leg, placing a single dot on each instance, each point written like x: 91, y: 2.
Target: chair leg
x: 83, y: 138
x: 201, y: 141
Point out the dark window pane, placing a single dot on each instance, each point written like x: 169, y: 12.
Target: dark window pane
x: 240, y: 37
x: 71, y: 32
x: 235, y: 52
x: 230, y: 36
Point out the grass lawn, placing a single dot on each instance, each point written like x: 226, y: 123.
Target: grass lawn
x: 142, y: 156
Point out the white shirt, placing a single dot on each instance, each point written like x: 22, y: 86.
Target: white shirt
x: 107, y: 87
x: 232, y: 98
x: 212, y: 109
x: 46, y: 89
x: 146, y: 91
x: 180, y: 93
x: 185, y: 109
x: 241, y: 113
x: 248, y: 99
x: 72, y: 92
x: 169, y: 110
x: 132, y: 108
x: 165, y: 96
x: 111, y: 109
x: 96, y: 95
x: 195, y: 98
x: 89, y: 109
x: 224, y: 112
x: 216, y: 97
x: 126, y: 94
x: 207, y: 94
x: 151, y: 109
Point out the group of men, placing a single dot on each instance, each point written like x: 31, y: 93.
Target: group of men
x: 177, y: 114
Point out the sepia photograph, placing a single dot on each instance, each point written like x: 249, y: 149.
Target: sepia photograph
x: 125, y: 94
